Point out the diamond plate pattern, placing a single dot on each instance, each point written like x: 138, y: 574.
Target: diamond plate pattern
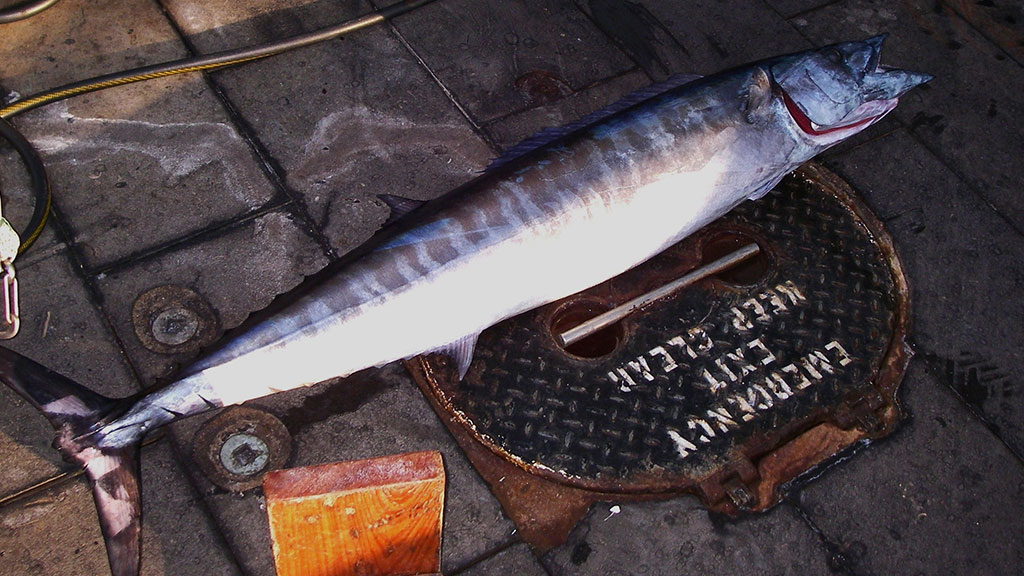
x: 717, y: 374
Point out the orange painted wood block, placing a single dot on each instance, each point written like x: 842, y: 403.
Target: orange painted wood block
x: 379, y: 517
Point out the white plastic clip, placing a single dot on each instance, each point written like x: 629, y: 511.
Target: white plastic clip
x: 10, y: 242
x: 10, y: 320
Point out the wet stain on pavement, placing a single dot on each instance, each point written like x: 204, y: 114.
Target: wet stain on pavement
x: 979, y: 382
x: 338, y: 397
x: 974, y: 377
x: 633, y: 28
x: 542, y: 87
x: 934, y: 121
x: 580, y: 553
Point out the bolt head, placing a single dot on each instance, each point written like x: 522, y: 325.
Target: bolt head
x: 244, y: 454
x: 175, y: 326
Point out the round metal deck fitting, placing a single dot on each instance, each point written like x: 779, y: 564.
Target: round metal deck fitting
x: 730, y: 388
x: 244, y: 454
x: 237, y: 447
x: 174, y: 320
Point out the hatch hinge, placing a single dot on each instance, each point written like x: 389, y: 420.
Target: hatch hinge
x: 861, y: 411
x: 735, y: 485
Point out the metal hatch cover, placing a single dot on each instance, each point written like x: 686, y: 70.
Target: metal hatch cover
x: 728, y: 389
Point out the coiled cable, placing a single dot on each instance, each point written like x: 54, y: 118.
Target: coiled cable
x: 40, y: 183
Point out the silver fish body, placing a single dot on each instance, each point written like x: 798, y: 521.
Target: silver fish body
x: 584, y: 207
x: 555, y: 222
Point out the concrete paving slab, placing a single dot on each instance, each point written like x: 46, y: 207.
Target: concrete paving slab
x: 942, y: 496
x: 638, y: 33
x: 503, y: 57
x: 975, y: 97
x: 790, y: 8
x: 344, y: 121
x: 680, y: 537
x: 56, y: 532
x: 130, y: 185
x: 511, y: 130
x: 238, y: 271
x: 272, y: 254
x: 19, y: 202
x: 82, y: 39
x: 713, y: 42
x: 370, y: 414
x: 517, y: 559
x: 140, y: 165
x: 965, y: 266
x: 179, y: 537
x: 1000, y: 21
x: 62, y: 327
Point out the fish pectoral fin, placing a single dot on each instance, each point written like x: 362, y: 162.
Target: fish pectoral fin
x: 399, y: 205
x: 759, y: 95
x: 461, y: 351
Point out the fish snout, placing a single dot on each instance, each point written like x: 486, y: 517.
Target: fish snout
x: 890, y: 84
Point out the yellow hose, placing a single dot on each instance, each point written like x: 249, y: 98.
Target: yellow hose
x: 51, y: 96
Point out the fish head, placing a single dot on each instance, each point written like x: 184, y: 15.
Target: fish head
x: 837, y: 91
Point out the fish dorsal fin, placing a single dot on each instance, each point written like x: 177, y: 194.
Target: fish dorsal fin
x: 461, y: 351
x: 549, y: 135
x: 399, y: 205
x: 759, y: 95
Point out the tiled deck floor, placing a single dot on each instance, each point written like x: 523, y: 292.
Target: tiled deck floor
x: 240, y: 183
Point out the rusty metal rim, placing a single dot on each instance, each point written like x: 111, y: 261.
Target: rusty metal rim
x: 758, y: 465
x: 212, y: 435
x: 154, y: 302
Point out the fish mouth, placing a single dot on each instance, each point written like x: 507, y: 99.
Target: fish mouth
x: 865, y: 115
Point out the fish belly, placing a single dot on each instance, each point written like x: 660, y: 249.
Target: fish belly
x: 560, y: 224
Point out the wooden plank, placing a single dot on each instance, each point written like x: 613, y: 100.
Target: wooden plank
x: 380, y: 516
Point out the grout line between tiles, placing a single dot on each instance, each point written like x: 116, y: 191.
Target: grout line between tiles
x: 477, y: 128
x: 267, y: 163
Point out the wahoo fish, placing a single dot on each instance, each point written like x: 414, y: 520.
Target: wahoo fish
x: 565, y: 210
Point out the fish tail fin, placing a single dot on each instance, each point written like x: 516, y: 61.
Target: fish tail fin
x: 115, y: 489
x: 77, y: 413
